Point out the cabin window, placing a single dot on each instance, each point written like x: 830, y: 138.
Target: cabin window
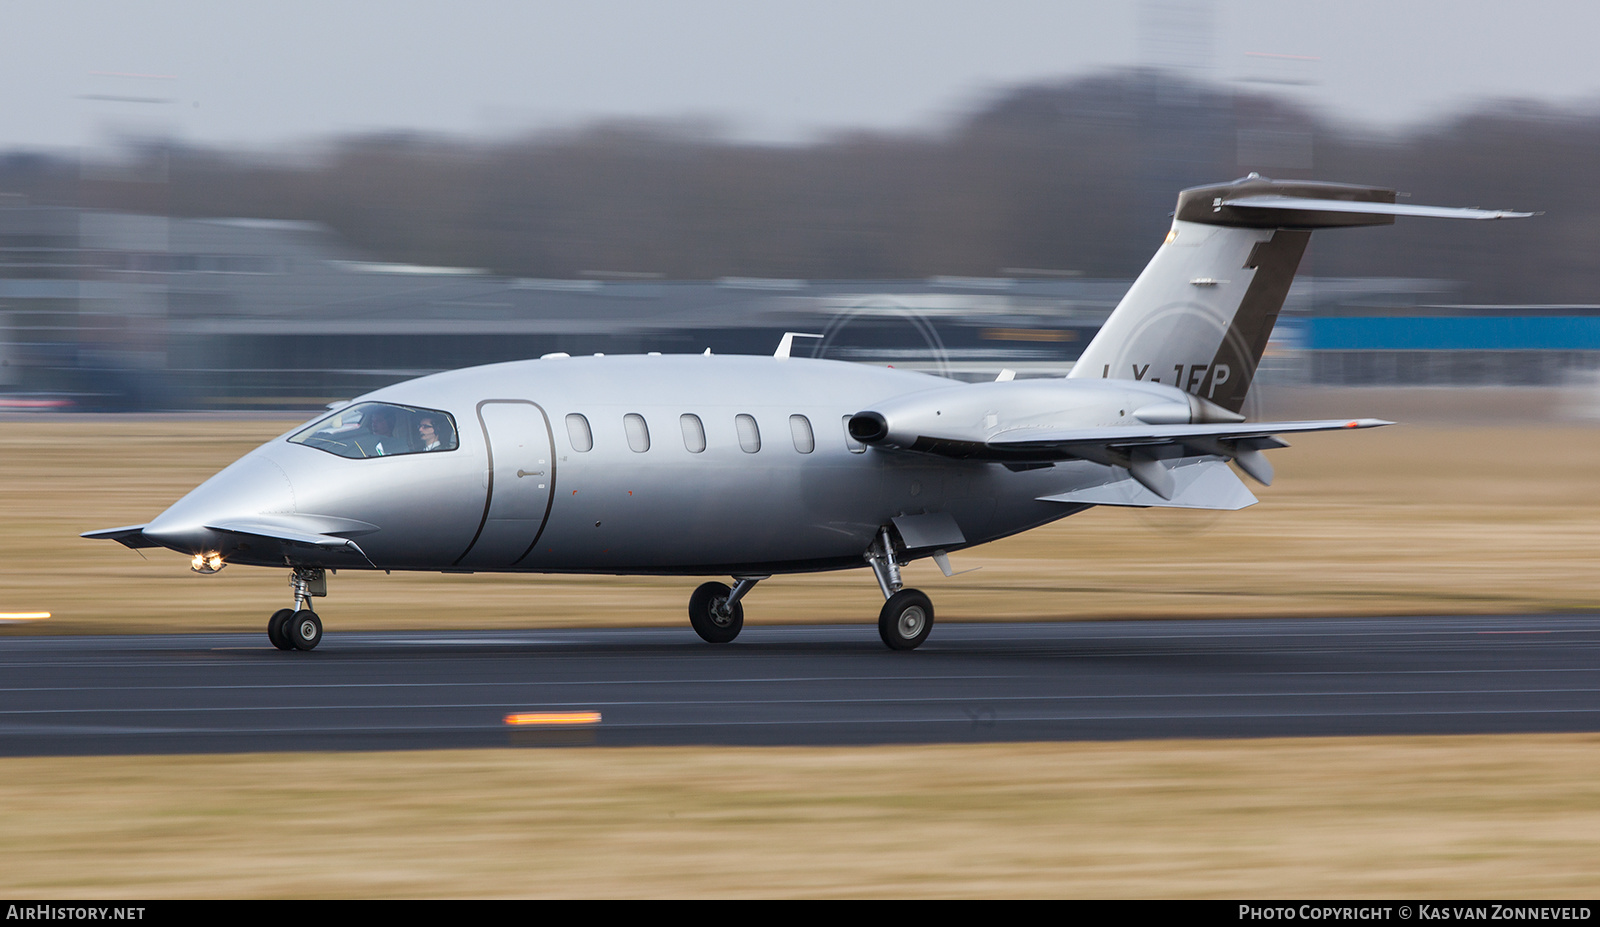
x: 749, y: 433
x: 856, y: 447
x: 800, y: 428
x: 638, y: 432
x: 380, y: 429
x: 578, y: 432
x: 694, y: 433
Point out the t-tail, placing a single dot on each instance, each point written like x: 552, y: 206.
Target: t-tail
x: 1200, y: 314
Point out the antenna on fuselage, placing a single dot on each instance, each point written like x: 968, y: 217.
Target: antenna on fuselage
x: 787, y: 344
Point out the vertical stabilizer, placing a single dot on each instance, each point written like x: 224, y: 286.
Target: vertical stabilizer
x: 1200, y: 314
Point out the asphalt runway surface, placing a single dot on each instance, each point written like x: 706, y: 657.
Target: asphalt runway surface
x: 802, y: 685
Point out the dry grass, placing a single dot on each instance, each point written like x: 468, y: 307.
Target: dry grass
x: 1505, y: 817
x: 1409, y: 519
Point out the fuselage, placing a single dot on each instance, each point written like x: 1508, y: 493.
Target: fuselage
x: 750, y: 466
x: 679, y: 464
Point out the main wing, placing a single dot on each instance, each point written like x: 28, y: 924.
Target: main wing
x: 1141, y: 449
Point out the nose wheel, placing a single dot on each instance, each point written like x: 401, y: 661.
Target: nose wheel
x: 305, y: 629
x: 299, y: 628
x: 277, y: 629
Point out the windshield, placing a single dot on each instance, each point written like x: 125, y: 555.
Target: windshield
x: 380, y: 429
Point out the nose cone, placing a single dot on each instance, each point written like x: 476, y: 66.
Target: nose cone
x: 254, y: 485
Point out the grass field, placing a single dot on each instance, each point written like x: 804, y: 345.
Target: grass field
x: 1447, y: 817
x: 1411, y: 519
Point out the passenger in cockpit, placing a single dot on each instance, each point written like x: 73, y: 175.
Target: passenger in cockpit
x: 429, y: 433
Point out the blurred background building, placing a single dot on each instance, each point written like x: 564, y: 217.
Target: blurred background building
x: 104, y: 310
x: 161, y: 276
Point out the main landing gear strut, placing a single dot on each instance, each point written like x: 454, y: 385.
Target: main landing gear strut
x: 904, y: 622
x: 907, y: 614
x: 714, y: 609
x: 299, y: 628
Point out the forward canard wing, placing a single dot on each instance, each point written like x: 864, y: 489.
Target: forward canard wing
x: 265, y: 537
x: 129, y: 536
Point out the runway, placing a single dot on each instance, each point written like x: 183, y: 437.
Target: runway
x: 803, y: 685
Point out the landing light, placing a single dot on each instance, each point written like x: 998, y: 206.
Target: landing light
x: 206, y: 563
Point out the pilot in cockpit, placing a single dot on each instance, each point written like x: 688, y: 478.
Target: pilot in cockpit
x: 380, y: 439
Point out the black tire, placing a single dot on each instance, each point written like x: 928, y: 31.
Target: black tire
x: 704, y: 614
x: 905, y: 620
x: 277, y: 629
x: 304, y: 630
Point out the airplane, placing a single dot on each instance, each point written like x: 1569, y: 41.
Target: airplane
x: 752, y: 466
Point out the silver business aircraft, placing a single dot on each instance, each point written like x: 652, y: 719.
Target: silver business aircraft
x: 752, y: 466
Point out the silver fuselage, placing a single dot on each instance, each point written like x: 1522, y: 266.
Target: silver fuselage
x: 516, y: 494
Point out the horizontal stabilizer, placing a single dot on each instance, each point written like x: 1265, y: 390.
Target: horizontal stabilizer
x: 1204, y: 484
x: 1302, y: 204
x: 130, y: 536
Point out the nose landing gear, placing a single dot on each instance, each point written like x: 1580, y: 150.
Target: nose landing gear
x: 299, y: 628
x: 275, y: 628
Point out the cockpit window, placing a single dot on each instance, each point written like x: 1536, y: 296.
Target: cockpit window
x: 380, y: 429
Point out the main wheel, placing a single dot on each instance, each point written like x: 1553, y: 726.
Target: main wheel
x: 276, y: 629
x: 905, y: 620
x: 712, y: 619
x: 304, y: 629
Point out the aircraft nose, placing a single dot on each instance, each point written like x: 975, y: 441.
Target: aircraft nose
x: 253, y: 485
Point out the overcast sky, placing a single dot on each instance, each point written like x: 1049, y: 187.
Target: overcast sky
x: 79, y: 72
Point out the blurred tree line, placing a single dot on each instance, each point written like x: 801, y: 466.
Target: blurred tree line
x: 1073, y: 177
